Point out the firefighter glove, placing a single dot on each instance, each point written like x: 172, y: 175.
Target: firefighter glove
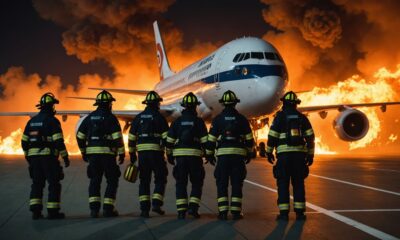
x: 66, y: 162
x: 121, y: 159
x: 271, y: 158
x: 133, y: 158
x: 211, y: 159
x: 171, y: 159
x: 309, y: 159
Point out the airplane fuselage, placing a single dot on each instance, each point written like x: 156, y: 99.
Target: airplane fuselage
x: 251, y: 67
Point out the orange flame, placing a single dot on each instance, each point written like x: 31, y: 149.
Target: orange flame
x: 12, y: 144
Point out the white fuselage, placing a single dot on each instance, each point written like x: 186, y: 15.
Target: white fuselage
x: 258, y: 76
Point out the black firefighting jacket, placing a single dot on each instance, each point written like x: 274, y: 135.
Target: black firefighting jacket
x: 148, y: 131
x: 230, y: 133
x: 43, y: 136
x: 278, y: 133
x: 187, y: 135
x: 100, y: 133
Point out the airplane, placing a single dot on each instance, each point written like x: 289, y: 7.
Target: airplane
x: 252, y: 68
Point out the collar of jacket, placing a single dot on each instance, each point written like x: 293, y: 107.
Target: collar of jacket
x: 189, y: 111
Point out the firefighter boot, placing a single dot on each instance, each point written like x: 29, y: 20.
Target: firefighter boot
x: 194, y: 212
x: 144, y: 214
x: 37, y: 215
x: 223, y: 215
x: 94, y: 213
x: 110, y: 213
x: 300, y: 215
x: 181, y: 214
x: 237, y: 216
x: 283, y: 215
x: 55, y: 215
x: 157, y: 209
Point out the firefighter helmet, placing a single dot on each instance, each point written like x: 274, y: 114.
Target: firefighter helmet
x: 190, y: 100
x: 152, y: 97
x: 104, y: 97
x: 290, y: 97
x: 229, y: 97
x: 48, y: 99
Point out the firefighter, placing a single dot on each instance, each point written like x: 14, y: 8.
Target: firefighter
x: 187, y: 138
x: 42, y: 143
x: 100, y: 140
x: 292, y: 136
x: 147, y: 136
x: 232, y: 137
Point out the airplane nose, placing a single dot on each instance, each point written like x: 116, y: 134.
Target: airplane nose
x: 265, y: 95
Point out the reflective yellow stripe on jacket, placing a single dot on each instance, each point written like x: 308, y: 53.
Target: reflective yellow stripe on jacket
x: 39, y: 151
x: 286, y: 148
x: 148, y: 147
x: 231, y: 151
x: 187, y: 152
x: 99, y: 150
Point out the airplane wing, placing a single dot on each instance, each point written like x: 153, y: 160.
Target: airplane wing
x: 341, y: 107
x: 125, y: 91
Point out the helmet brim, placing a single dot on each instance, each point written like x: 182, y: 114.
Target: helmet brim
x: 230, y: 102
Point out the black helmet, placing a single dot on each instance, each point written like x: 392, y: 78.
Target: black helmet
x: 190, y: 100
x: 229, y: 97
x: 152, y: 97
x: 103, y: 97
x: 48, y: 99
x: 290, y: 97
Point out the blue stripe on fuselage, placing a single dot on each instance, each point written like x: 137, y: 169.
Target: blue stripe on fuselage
x: 253, y: 71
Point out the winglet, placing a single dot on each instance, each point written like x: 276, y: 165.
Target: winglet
x: 163, y: 65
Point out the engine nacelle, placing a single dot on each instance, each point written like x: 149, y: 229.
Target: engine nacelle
x: 78, y: 124
x: 351, y: 125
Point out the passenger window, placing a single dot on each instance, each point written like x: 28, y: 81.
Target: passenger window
x: 257, y: 55
x: 270, y: 56
x: 246, y: 56
x: 235, y: 59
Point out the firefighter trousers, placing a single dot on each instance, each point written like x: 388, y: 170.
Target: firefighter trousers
x: 188, y: 167
x: 230, y: 168
x: 149, y: 162
x: 42, y: 168
x: 290, y: 168
x: 100, y: 164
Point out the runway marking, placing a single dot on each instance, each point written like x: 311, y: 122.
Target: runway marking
x: 356, y: 184
x: 365, y: 228
x: 386, y: 170
x: 367, y: 210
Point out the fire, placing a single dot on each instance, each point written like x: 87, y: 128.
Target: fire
x: 12, y: 144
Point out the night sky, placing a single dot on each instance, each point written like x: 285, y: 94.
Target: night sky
x: 29, y: 41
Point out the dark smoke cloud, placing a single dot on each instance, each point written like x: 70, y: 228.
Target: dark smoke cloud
x: 327, y: 41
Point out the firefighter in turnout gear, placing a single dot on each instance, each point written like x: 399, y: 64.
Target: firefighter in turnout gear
x: 232, y: 138
x: 147, y: 137
x: 43, y: 142
x: 187, y: 138
x: 292, y: 136
x: 100, y: 141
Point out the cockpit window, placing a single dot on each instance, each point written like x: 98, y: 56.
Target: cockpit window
x: 246, y: 56
x: 235, y: 59
x: 241, y: 57
x: 270, y: 56
x: 257, y: 55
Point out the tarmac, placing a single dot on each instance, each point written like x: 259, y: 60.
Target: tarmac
x: 347, y: 198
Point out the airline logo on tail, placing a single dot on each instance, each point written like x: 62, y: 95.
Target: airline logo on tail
x: 163, y: 65
x: 160, y: 58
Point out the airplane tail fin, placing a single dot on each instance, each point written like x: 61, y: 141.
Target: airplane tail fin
x: 163, y: 65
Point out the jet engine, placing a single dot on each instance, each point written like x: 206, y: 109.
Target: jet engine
x: 351, y: 125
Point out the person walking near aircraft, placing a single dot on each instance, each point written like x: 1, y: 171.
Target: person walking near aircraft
x: 43, y: 142
x: 147, y: 136
x: 187, y: 138
x: 100, y: 139
x: 231, y: 136
x: 292, y: 136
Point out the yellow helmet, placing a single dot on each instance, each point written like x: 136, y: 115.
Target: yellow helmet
x: 104, y: 97
x: 190, y: 100
x: 152, y: 97
x: 290, y: 97
x: 47, y: 99
x: 229, y: 97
